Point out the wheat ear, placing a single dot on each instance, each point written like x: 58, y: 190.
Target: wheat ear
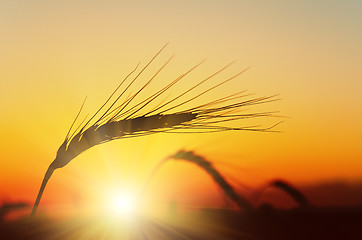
x: 124, y: 120
x: 206, y: 165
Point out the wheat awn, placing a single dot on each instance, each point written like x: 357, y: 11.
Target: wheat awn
x: 124, y: 120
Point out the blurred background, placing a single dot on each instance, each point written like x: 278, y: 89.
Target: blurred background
x: 55, y: 53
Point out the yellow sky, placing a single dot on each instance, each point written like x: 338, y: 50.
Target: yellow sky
x: 53, y: 54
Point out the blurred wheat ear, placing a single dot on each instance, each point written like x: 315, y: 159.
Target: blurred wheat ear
x: 123, y: 116
x: 206, y: 165
x: 292, y: 191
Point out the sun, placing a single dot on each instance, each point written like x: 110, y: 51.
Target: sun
x: 122, y: 204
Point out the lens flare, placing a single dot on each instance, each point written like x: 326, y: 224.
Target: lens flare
x: 122, y: 204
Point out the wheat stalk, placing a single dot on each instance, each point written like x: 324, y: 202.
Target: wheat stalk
x: 124, y: 120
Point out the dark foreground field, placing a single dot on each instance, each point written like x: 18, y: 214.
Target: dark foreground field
x: 264, y: 223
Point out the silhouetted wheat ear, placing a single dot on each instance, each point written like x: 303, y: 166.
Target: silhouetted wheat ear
x: 206, y: 165
x: 216, y: 176
x: 286, y: 187
x: 292, y: 191
x: 118, y: 118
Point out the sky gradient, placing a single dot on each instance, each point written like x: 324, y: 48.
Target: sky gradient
x: 53, y: 54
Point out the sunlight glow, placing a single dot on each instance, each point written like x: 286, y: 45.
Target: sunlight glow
x: 122, y: 204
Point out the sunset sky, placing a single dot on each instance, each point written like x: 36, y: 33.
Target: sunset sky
x: 55, y: 53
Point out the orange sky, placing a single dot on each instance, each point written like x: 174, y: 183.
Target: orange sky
x: 52, y: 55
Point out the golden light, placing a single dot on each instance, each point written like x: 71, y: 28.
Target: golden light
x: 122, y: 204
